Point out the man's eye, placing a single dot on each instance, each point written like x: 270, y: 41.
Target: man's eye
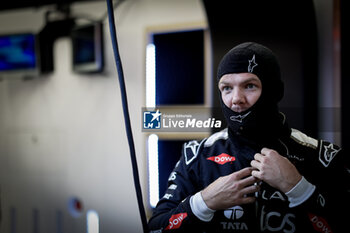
x: 250, y: 86
x: 226, y: 88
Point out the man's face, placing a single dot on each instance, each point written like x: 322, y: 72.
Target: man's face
x: 240, y: 91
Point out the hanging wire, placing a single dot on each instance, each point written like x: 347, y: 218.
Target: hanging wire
x: 126, y: 114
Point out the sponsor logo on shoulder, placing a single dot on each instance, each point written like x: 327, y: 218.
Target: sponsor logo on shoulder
x: 222, y: 158
x: 175, y: 221
x: 191, y: 151
x: 327, y: 152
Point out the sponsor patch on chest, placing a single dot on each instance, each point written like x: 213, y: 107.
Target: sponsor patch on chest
x: 222, y: 158
x: 175, y: 221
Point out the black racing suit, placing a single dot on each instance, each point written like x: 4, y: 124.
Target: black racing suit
x: 320, y: 162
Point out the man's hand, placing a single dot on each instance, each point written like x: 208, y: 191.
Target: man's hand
x: 231, y: 190
x: 275, y: 170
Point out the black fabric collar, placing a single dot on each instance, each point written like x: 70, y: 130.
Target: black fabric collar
x: 260, y: 127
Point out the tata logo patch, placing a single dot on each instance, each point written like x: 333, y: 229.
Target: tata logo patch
x: 152, y: 120
x: 234, y: 213
x: 175, y: 221
x: 222, y: 158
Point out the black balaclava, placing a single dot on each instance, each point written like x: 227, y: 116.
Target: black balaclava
x: 262, y: 122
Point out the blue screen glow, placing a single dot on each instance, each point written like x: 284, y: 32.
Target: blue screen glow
x: 17, y: 52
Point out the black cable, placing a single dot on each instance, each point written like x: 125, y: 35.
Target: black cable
x: 115, y: 6
x: 126, y: 114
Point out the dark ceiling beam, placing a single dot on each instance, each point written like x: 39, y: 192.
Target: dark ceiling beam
x: 12, y: 5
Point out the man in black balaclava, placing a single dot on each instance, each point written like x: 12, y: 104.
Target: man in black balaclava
x: 258, y: 175
x: 262, y: 121
x: 250, y: 85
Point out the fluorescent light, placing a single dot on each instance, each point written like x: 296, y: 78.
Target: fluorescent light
x: 151, y: 76
x: 92, y: 220
x: 153, y: 169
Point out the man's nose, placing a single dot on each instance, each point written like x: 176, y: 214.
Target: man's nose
x: 237, y: 96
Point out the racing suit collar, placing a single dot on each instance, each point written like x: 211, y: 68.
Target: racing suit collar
x: 260, y: 125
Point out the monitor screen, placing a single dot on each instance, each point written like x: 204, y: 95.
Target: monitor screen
x: 18, y: 53
x: 87, y: 48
